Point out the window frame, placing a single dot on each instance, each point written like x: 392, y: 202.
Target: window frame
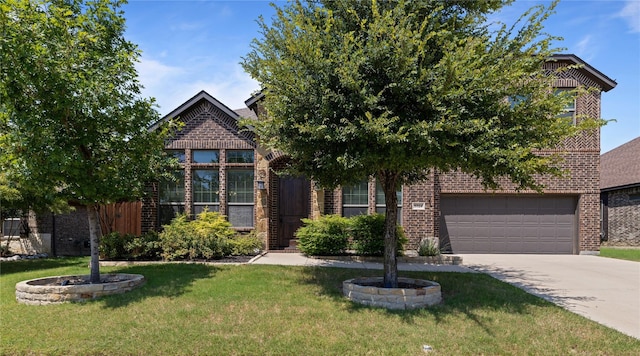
x: 359, y: 205
x: 248, y: 201
x: 212, y: 204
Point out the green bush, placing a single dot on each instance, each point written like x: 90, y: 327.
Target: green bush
x: 144, y: 247
x: 245, y: 244
x: 206, y: 237
x: 112, y: 246
x: 367, y: 235
x: 428, y: 247
x: 117, y: 246
x: 328, y: 235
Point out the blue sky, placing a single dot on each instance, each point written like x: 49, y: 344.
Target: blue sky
x: 188, y: 46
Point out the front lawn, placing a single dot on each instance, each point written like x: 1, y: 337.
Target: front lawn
x: 260, y: 310
x: 631, y: 254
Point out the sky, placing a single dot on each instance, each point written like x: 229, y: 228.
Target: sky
x: 188, y: 46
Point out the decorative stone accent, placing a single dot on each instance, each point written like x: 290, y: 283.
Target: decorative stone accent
x: 60, y: 289
x: 365, y: 291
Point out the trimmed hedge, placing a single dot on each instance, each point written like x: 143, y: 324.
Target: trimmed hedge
x: 367, y: 235
x: 335, y: 235
x: 327, y: 236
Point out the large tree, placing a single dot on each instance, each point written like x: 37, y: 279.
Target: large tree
x: 73, y: 119
x: 395, y: 89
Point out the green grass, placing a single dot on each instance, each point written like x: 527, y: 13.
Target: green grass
x: 631, y: 254
x: 187, y: 309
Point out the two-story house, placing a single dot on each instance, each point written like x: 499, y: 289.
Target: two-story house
x: 224, y: 168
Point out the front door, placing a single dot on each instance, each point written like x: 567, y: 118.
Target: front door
x: 293, y: 205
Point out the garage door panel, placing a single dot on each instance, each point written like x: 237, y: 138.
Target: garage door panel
x: 508, y: 224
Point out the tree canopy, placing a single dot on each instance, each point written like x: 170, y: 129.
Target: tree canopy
x: 394, y: 89
x: 72, y: 117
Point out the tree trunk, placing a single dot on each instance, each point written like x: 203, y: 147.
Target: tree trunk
x: 94, y: 238
x: 389, y: 182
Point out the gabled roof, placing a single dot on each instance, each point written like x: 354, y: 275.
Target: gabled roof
x: 620, y: 167
x: 202, y: 95
x: 605, y: 82
x: 246, y: 113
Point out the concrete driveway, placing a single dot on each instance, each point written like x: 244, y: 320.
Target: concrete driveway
x: 602, y: 289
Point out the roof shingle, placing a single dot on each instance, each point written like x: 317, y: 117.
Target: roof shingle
x: 621, y: 166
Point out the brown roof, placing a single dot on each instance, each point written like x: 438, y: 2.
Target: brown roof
x: 621, y: 166
x: 246, y: 113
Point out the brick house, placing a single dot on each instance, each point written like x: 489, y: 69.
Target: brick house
x: 225, y: 169
x: 620, y: 194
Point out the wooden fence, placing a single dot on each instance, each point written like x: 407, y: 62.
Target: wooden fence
x: 125, y: 218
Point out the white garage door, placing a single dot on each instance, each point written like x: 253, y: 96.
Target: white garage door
x: 508, y: 224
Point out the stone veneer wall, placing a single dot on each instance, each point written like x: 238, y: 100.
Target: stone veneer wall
x: 623, y: 218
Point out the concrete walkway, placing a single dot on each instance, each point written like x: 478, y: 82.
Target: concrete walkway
x: 601, y: 289
x: 297, y: 259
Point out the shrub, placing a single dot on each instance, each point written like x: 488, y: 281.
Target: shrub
x: 117, y: 246
x: 245, y: 244
x: 428, y: 247
x: 112, y: 246
x: 175, y: 238
x: 325, y: 236
x: 206, y: 237
x: 144, y: 247
x: 367, y: 235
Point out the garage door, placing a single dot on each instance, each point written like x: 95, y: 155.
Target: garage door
x: 508, y: 224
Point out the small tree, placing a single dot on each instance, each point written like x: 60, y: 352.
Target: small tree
x: 395, y: 89
x: 70, y: 106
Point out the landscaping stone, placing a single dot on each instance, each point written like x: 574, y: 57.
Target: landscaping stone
x: 411, y: 294
x: 61, y: 289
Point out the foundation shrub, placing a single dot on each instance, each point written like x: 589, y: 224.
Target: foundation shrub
x: 112, y: 246
x: 245, y: 244
x: 428, y: 247
x: 328, y: 235
x: 367, y: 235
x: 205, y: 237
x: 144, y: 247
x: 117, y: 246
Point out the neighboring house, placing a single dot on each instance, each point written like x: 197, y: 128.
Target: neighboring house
x: 620, y: 194
x: 225, y: 170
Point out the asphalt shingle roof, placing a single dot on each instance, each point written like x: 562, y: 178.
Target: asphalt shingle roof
x: 621, y: 166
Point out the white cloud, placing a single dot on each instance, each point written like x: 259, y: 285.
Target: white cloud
x: 585, y: 48
x: 171, y: 86
x: 631, y: 13
x: 153, y: 73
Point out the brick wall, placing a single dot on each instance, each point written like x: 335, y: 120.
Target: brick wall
x: 580, y: 161
x: 205, y: 127
x: 623, y: 218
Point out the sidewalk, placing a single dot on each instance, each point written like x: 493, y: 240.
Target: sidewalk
x: 298, y: 259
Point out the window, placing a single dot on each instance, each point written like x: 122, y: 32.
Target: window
x: 206, y: 190
x: 240, y: 202
x: 240, y: 156
x: 569, y: 110
x: 171, y: 197
x: 381, y: 206
x: 205, y: 156
x: 634, y: 197
x: 355, y: 199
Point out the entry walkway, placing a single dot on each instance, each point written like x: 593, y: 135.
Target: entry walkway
x: 298, y: 259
